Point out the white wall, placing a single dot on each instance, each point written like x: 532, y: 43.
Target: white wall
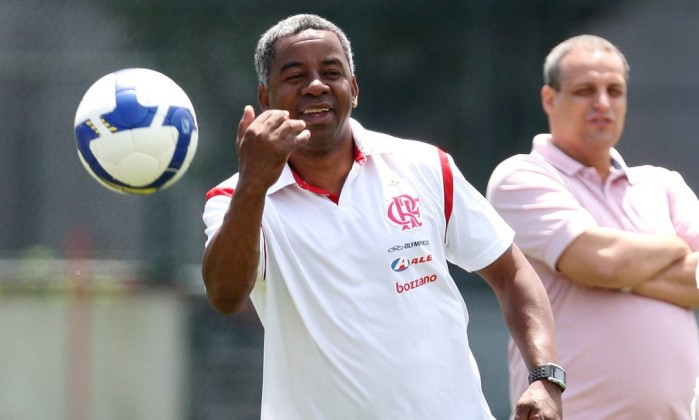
x: 111, y: 356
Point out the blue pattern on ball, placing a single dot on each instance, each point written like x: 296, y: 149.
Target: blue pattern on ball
x: 129, y: 114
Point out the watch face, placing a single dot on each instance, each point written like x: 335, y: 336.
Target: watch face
x: 559, y: 374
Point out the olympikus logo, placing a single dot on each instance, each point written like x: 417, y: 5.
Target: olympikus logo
x: 402, y: 263
x: 405, y: 287
x: 404, y: 211
x: 409, y: 245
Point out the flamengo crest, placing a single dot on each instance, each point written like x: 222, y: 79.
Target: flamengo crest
x: 404, y: 211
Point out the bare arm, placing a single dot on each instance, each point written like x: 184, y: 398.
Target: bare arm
x: 676, y: 284
x: 231, y: 258
x: 529, y: 318
x: 611, y: 258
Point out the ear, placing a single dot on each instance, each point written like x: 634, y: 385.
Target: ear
x: 355, y: 92
x: 548, y: 95
x: 263, y: 96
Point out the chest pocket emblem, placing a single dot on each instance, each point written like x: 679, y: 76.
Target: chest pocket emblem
x: 404, y: 211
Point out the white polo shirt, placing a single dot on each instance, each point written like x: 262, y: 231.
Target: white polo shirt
x: 362, y: 318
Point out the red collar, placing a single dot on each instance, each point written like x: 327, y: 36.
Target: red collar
x: 359, y: 157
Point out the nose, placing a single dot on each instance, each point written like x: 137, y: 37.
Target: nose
x: 315, y: 86
x: 601, y: 101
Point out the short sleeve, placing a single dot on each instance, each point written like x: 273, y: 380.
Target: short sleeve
x: 214, y: 210
x: 476, y: 235
x: 684, y: 208
x: 533, y: 198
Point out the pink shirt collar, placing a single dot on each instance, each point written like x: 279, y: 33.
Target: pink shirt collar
x: 544, y: 147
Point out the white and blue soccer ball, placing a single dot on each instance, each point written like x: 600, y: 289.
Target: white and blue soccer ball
x: 136, y: 131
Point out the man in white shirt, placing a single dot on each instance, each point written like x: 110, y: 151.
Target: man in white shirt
x: 341, y: 236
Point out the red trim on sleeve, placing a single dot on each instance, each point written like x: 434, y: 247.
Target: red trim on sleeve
x: 448, y: 181
x: 219, y: 191
x: 264, y: 255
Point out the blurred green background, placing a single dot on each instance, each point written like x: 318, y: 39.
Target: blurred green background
x: 102, y: 312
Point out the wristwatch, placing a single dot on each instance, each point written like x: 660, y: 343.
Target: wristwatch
x: 551, y: 372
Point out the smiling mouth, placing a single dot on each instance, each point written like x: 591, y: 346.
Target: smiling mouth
x: 314, y: 111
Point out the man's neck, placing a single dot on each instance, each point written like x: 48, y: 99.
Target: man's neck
x: 327, y: 171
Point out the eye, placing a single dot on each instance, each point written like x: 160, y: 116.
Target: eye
x: 616, y: 92
x: 333, y: 73
x: 585, y: 91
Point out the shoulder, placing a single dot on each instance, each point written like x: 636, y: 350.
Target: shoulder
x: 525, y: 163
x: 417, y: 152
x: 224, y: 190
x: 649, y: 174
x: 216, y: 203
x: 522, y: 176
x: 374, y: 142
x: 523, y: 168
x: 392, y: 145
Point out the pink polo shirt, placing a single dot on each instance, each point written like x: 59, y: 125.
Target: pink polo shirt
x: 627, y: 356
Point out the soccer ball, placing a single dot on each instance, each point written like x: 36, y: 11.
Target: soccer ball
x: 136, y: 131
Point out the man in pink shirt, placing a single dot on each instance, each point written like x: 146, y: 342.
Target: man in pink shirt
x: 615, y: 246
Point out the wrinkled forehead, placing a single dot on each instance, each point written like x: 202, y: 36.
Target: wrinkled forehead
x: 581, y: 65
x: 309, y: 46
x: 307, y: 37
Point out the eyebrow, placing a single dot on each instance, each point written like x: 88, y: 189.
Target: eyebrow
x: 327, y: 62
x: 333, y: 61
x: 290, y: 64
x: 589, y: 83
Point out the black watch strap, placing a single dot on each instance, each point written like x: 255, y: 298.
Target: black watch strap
x: 550, y: 372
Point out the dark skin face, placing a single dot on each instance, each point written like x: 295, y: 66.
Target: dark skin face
x: 310, y: 77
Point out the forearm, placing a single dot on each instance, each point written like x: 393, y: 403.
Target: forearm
x: 530, y: 320
x: 230, y: 262
x: 526, y: 308
x: 611, y: 258
x: 229, y: 266
x: 677, y: 284
x: 528, y: 316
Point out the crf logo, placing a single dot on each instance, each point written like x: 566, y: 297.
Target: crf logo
x: 404, y: 211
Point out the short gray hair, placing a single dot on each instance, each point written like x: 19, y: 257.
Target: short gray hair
x: 264, y: 53
x: 552, y: 65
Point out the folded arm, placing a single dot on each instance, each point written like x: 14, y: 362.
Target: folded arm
x: 660, y: 266
x: 676, y: 284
